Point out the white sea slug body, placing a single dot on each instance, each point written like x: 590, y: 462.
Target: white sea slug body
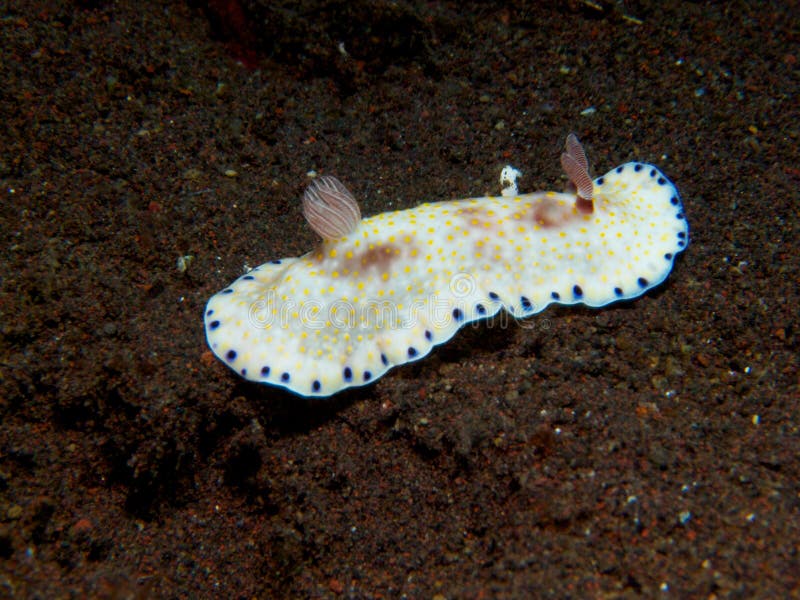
x: 383, y: 291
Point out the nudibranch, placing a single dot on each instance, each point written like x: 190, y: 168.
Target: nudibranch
x: 383, y: 291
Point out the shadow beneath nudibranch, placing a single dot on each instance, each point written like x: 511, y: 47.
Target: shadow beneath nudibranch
x: 286, y: 413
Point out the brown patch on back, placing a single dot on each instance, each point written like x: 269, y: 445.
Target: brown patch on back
x: 469, y: 210
x: 550, y: 213
x: 474, y: 218
x: 584, y: 206
x: 379, y: 258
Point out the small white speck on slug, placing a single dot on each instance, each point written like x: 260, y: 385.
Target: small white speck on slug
x: 383, y: 291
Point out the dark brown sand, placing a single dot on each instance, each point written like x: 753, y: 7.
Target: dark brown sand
x: 643, y: 448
